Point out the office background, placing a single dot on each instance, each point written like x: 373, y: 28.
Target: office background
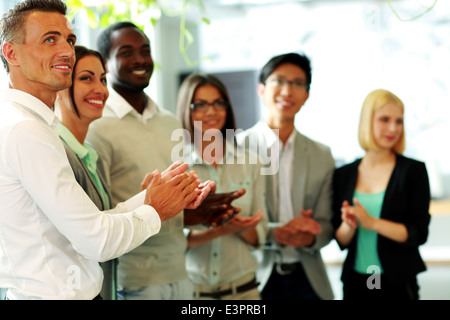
x: 355, y: 46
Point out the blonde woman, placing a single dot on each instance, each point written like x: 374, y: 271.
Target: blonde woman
x: 381, y: 205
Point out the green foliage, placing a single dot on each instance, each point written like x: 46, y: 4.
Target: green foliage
x: 142, y: 12
x: 186, y: 38
x: 106, y: 12
x: 426, y: 10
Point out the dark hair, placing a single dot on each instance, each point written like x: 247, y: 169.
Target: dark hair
x: 186, y: 95
x: 81, y: 52
x: 299, y: 60
x: 104, y: 39
x: 12, y: 23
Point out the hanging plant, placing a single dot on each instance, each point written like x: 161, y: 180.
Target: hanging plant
x: 142, y: 12
x: 425, y: 11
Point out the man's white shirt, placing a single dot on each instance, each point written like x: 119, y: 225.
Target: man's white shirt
x: 51, y: 234
x: 282, y: 183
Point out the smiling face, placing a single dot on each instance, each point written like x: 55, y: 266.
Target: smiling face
x: 211, y: 117
x: 130, y: 63
x: 42, y: 65
x: 387, y: 126
x: 282, y: 94
x: 89, y: 86
x: 90, y: 93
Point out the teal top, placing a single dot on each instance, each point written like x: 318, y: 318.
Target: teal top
x: 89, y: 157
x: 367, y: 260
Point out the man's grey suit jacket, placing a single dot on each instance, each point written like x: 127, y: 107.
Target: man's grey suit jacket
x: 312, y: 189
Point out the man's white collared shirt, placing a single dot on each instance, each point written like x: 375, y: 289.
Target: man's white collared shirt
x: 120, y: 107
x: 51, y: 234
x: 282, y: 182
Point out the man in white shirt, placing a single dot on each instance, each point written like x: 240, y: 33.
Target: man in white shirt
x: 52, y: 236
x: 299, y: 191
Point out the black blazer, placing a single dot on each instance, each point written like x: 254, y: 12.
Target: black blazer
x: 407, y: 200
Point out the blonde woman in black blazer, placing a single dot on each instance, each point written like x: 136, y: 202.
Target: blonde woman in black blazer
x: 400, y: 225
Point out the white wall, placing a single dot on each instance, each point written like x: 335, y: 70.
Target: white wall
x: 355, y: 47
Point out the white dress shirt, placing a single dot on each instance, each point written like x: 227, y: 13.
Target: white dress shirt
x: 51, y: 234
x: 282, y: 182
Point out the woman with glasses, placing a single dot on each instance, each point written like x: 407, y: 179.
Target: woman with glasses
x: 381, y: 207
x: 219, y: 260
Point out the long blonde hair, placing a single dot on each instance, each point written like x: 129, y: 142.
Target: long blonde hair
x: 374, y: 101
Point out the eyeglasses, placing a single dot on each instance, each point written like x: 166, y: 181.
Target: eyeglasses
x: 218, y: 105
x: 279, y: 83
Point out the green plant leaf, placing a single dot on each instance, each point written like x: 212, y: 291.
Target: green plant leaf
x: 92, y: 17
x: 111, y: 11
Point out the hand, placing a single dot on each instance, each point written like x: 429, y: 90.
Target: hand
x: 174, y: 169
x: 171, y: 196
x: 348, y: 217
x: 205, y: 188
x: 293, y: 238
x: 240, y: 223
x: 305, y: 223
x: 215, y: 209
x: 361, y: 214
x: 298, y: 232
x: 177, y: 168
x: 244, y: 226
x: 226, y: 198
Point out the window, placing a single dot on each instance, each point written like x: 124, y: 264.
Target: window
x: 355, y: 47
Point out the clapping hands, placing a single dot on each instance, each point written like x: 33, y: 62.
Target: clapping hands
x: 215, y: 210
x: 298, y: 232
x: 354, y: 214
x: 174, y: 189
